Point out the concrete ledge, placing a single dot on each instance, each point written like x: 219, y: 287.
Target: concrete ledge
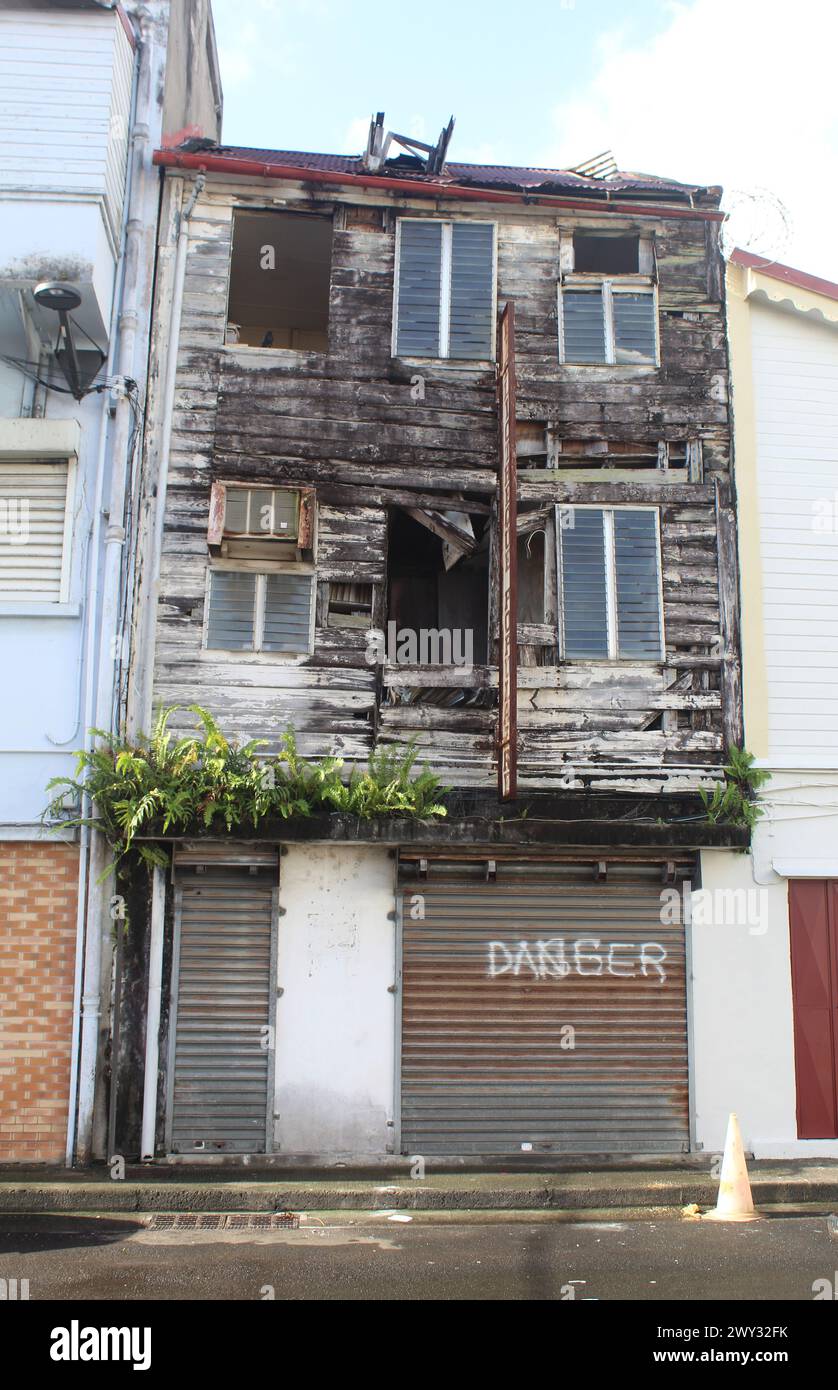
x: 569, y: 1191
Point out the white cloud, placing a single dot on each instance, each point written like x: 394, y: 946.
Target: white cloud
x: 739, y: 93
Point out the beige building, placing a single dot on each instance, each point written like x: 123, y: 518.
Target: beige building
x: 766, y: 1016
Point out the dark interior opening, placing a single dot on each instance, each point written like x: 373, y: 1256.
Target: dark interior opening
x: 606, y: 255
x: 279, y: 280
x: 423, y: 594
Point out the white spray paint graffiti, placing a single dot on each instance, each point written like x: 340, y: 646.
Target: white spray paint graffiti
x: 556, y: 958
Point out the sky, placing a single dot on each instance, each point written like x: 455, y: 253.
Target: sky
x: 740, y: 93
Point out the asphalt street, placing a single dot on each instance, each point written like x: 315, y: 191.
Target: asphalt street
x: 343, y: 1258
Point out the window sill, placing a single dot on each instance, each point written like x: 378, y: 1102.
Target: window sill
x: 283, y: 354
x: 231, y: 657
x: 40, y: 610
x: 633, y: 367
x: 485, y: 364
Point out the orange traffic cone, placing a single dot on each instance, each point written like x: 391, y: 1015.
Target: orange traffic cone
x: 734, y: 1202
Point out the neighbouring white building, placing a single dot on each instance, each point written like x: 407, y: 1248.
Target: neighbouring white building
x: 88, y: 90
x: 766, y: 1015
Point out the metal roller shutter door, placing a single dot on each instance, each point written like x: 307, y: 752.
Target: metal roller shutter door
x: 490, y: 978
x: 221, y: 1073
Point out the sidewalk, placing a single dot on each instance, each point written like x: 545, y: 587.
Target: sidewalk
x: 179, y: 1189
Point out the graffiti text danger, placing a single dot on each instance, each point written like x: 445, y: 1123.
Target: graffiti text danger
x: 558, y: 957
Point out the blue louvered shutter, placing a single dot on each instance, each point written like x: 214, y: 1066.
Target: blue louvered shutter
x: 472, y: 290
x: 288, y: 600
x: 232, y: 604
x: 584, y: 326
x: 634, y: 327
x: 420, y: 263
x: 638, y: 585
x: 584, y: 585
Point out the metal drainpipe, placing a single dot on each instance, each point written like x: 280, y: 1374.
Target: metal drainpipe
x: 152, y: 1033
x: 149, y: 636
x: 102, y: 629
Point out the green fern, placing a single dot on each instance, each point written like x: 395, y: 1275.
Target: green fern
x: 734, y: 801
x: 159, y: 784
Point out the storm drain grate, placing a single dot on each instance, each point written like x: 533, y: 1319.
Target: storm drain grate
x: 224, y: 1221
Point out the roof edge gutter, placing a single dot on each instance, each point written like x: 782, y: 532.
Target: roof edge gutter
x: 223, y: 164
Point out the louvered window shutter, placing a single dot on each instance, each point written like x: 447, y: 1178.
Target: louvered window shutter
x: 472, y: 290
x: 637, y: 583
x: 232, y: 604
x: 33, y: 504
x: 585, y: 585
x: 634, y: 327
x: 584, y: 326
x: 288, y: 599
x: 420, y: 262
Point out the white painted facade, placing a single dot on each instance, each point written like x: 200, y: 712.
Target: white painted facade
x: 784, y: 352
x: 86, y: 92
x: 795, y: 375
x: 65, y: 112
x: 336, y: 1016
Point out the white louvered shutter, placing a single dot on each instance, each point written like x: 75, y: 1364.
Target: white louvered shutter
x: 232, y: 606
x: 584, y: 326
x: 288, y: 600
x: 638, y: 585
x: 472, y: 290
x: 585, y: 585
x: 33, y: 508
x: 634, y: 327
x: 420, y: 265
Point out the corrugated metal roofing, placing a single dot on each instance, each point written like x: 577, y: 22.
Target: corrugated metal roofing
x: 511, y: 177
x: 776, y: 270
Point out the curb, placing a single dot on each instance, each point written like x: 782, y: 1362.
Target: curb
x: 115, y: 1197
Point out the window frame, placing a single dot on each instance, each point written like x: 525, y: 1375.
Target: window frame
x: 262, y: 571
x: 642, y: 281
x: 9, y: 604
x: 286, y: 352
x: 447, y: 224
x: 612, y: 633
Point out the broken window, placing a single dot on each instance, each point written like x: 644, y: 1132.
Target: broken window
x: 249, y: 612
x: 445, y: 289
x: 610, y: 583
x: 583, y: 456
x: 437, y: 603
x: 607, y: 301
x: 350, y: 605
x: 279, y: 280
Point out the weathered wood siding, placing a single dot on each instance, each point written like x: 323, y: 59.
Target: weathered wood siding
x: 345, y: 423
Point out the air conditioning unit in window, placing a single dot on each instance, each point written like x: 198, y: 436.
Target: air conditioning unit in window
x: 261, y: 522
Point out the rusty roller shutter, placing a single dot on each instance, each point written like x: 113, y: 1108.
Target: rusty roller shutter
x: 494, y: 976
x: 220, y: 1068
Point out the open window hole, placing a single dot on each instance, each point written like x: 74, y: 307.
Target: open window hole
x: 279, y: 280
x: 437, y: 596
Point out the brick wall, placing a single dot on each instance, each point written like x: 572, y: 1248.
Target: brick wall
x: 38, y: 894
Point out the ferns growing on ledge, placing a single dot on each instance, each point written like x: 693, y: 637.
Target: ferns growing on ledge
x: 162, y: 784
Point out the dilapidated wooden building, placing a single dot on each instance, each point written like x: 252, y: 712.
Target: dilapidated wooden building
x: 327, y: 546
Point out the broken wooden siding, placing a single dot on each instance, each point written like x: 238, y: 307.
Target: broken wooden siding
x: 347, y: 424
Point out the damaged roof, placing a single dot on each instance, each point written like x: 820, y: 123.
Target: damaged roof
x: 509, y: 178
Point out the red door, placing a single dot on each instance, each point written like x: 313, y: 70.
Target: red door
x: 813, y: 913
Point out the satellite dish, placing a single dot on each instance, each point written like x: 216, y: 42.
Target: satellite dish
x: 52, y: 294
x: 74, y: 361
